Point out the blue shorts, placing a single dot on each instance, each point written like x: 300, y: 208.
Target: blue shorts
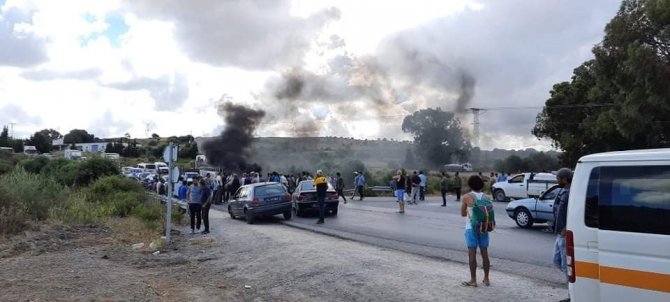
x: 400, y: 195
x: 474, y: 240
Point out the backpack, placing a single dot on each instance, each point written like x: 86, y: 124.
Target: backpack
x: 483, y: 218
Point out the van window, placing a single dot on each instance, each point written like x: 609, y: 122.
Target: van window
x: 591, y: 204
x: 631, y: 199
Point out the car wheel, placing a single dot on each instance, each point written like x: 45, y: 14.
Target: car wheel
x: 288, y: 215
x: 248, y: 217
x: 499, y: 195
x: 334, y: 212
x: 523, y: 218
x: 230, y: 212
x: 297, y: 211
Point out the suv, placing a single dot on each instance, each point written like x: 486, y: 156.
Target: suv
x: 260, y: 199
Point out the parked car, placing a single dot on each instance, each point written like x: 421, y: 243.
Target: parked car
x: 523, y: 186
x: 304, y: 198
x: 465, y: 167
x: 527, y: 211
x: 260, y: 199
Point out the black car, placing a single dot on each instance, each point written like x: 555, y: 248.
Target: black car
x: 260, y: 199
x: 304, y: 198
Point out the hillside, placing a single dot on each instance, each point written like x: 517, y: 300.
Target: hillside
x: 306, y: 153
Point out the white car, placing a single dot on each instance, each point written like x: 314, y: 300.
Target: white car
x: 523, y: 185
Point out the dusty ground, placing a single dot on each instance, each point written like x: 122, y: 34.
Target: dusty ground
x: 237, y: 262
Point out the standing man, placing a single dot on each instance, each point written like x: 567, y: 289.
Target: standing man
x: 422, y: 186
x: 400, y: 180
x: 321, y: 185
x: 416, y: 182
x: 457, y: 186
x: 564, y: 180
x: 195, y: 204
x: 355, y: 185
x: 206, y: 201
x: 444, y: 188
x: 339, y: 186
x: 360, y: 184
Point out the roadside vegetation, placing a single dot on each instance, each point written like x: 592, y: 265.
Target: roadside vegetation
x: 39, y: 190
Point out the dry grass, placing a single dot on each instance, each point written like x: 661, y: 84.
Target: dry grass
x: 131, y: 230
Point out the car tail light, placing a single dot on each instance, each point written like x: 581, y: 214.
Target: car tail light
x: 570, y: 255
x: 301, y: 197
x: 255, y: 202
x: 334, y: 196
x: 287, y: 197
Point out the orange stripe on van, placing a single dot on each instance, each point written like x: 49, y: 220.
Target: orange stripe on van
x: 587, y: 270
x: 625, y: 277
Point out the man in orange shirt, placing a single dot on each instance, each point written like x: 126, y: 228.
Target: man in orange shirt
x: 321, y: 185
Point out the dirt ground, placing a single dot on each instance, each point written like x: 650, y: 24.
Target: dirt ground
x: 237, y: 262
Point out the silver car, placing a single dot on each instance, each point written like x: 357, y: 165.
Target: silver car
x: 527, y: 211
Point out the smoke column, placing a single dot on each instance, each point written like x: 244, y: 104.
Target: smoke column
x: 230, y: 150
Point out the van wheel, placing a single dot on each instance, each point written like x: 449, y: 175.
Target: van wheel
x: 499, y: 195
x: 523, y: 218
x: 288, y: 215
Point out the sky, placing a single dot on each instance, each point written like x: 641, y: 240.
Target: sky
x: 318, y: 68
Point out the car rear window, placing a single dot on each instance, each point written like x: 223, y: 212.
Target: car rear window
x: 629, y: 199
x: 269, y: 190
x: 308, y: 185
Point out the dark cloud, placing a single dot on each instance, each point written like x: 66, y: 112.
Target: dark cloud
x: 255, y: 34
x: 48, y: 75
x: 19, y: 49
x: 168, y: 92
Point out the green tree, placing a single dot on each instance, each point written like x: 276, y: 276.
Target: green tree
x: 52, y: 134
x: 41, y: 141
x: 438, y: 136
x: 76, y: 136
x: 4, y: 137
x: 621, y: 99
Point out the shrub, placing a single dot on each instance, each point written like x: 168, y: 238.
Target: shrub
x: 94, y: 168
x: 32, y: 194
x: 64, y: 171
x: 34, y: 165
x: 12, y: 221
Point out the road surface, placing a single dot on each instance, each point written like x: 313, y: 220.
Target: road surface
x: 431, y: 230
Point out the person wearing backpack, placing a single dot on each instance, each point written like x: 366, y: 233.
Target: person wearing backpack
x: 479, y: 221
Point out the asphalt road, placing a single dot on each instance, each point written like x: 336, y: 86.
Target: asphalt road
x: 431, y: 230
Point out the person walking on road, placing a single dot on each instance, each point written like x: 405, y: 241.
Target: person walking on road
x: 195, y: 204
x: 415, y: 182
x: 321, y: 184
x: 444, y: 188
x: 564, y: 180
x: 359, y: 185
x: 422, y: 186
x: 400, y: 181
x: 339, y: 186
x: 475, y: 236
x: 457, y: 186
x: 206, y: 201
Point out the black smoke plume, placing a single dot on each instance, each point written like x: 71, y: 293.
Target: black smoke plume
x: 230, y: 150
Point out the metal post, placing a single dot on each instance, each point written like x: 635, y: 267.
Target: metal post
x: 168, y: 222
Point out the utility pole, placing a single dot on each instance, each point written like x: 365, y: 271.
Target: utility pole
x: 475, y: 122
x: 11, y: 129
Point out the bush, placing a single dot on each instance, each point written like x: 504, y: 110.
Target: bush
x: 64, y: 171
x: 31, y: 194
x: 34, y: 165
x: 94, y: 168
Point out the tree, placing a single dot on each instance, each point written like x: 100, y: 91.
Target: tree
x: 438, y: 136
x: 619, y: 100
x: 52, y: 134
x: 155, y: 136
x: 4, y: 137
x: 77, y: 136
x: 41, y: 141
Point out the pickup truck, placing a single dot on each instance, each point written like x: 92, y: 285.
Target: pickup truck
x: 523, y: 185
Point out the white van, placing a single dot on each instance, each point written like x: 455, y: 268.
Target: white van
x: 618, y: 228
x: 149, y: 168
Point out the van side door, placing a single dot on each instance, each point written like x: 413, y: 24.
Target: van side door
x: 633, y: 232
